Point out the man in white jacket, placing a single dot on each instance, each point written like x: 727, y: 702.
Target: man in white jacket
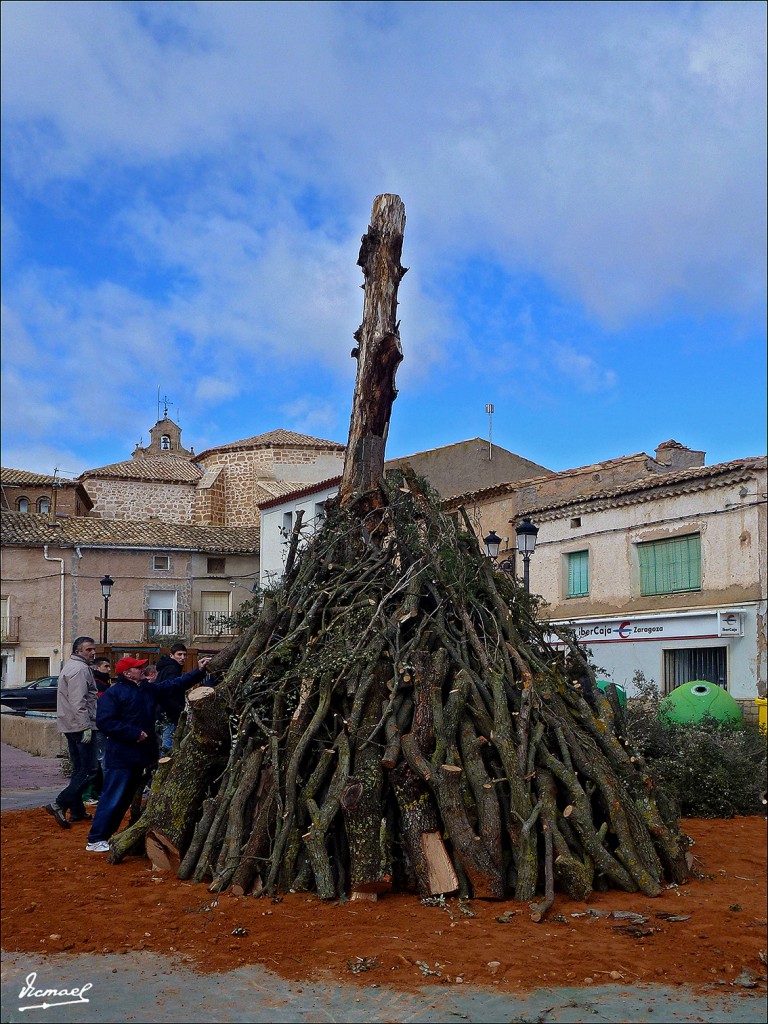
x: 76, y: 719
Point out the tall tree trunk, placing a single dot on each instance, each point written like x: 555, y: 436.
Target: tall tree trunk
x: 378, y: 349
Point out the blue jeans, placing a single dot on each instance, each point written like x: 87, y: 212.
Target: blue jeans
x: 84, y: 767
x: 116, y: 794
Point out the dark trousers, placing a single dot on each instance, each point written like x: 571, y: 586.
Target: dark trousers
x: 116, y: 794
x: 84, y: 768
x: 93, y: 790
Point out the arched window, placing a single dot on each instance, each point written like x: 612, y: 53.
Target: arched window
x: 44, y: 505
x: 165, y: 443
x: 23, y: 504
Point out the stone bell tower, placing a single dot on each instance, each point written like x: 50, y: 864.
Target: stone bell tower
x: 165, y: 439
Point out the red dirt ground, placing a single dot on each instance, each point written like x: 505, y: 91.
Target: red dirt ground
x: 58, y: 898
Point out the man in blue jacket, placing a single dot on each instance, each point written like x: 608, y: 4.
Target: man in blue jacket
x: 127, y: 715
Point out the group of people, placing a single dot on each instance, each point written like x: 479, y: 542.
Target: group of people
x: 111, y: 728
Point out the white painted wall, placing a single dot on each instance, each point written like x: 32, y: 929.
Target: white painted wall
x: 274, y: 543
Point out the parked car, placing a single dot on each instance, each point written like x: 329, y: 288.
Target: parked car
x: 39, y: 695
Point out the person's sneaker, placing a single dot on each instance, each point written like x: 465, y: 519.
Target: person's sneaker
x: 58, y: 814
x: 81, y: 817
x: 100, y: 847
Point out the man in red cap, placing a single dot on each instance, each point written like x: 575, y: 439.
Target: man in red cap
x: 127, y: 715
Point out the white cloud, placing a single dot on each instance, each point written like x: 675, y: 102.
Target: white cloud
x: 317, y: 418
x: 213, y: 165
x: 617, y: 147
x: 582, y: 370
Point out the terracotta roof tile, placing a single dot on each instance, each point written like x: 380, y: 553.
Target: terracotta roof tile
x: 26, y: 529
x: 162, y: 468
x: 24, y: 478
x: 641, y: 490
x: 276, y: 439
x: 300, y: 491
x: 515, y: 485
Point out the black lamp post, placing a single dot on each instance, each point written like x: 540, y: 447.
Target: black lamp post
x: 106, y: 589
x: 526, y: 545
x: 492, y: 545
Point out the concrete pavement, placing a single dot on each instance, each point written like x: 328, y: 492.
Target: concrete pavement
x: 27, y: 780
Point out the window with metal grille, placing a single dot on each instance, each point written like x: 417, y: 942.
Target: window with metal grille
x: 670, y: 566
x: 578, y: 573
x: 709, y: 664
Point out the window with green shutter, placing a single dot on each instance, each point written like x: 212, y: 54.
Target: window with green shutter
x: 670, y: 566
x: 578, y: 574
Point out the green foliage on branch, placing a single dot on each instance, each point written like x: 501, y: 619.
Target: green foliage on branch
x: 710, y: 769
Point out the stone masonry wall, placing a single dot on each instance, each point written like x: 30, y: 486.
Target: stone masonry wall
x: 134, y: 499
x: 244, y: 467
x: 210, y: 502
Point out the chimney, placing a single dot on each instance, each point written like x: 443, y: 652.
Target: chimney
x: 673, y: 455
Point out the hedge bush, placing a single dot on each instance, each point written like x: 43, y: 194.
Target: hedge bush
x: 709, y: 769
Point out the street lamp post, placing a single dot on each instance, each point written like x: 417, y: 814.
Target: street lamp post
x: 526, y: 545
x: 492, y: 545
x: 106, y: 589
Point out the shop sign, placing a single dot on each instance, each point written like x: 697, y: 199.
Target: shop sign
x: 729, y: 624
x: 659, y: 627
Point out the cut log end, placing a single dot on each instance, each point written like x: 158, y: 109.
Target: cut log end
x: 198, y: 693
x: 162, y: 852
x: 441, y: 876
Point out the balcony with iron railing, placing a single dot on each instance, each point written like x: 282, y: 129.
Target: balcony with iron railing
x: 165, y: 623
x: 9, y: 629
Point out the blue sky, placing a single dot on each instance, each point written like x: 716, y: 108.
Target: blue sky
x: 185, y: 186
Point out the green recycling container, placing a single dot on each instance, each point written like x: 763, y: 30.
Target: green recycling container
x: 621, y: 693
x: 692, y: 701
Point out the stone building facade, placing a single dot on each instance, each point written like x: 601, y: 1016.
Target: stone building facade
x: 157, y: 482
x: 220, y: 487
x: 238, y: 476
x: 150, y: 497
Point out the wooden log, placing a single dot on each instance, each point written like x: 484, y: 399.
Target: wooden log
x: 246, y: 876
x: 378, y: 351
x: 180, y: 785
x: 322, y: 817
x: 370, y: 850
x: 441, y: 876
x: 483, y: 873
x: 420, y: 828
x: 161, y: 851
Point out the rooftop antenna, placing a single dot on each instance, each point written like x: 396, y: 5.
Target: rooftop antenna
x: 489, y: 410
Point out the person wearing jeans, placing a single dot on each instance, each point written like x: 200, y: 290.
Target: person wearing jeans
x: 85, y: 765
x: 127, y: 715
x: 76, y: 719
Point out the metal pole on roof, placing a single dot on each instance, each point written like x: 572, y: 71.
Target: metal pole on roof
x: 489, y: 410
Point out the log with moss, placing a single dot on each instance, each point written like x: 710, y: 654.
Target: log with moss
x: 397, y: 715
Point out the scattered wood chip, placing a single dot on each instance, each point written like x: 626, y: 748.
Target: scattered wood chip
x: 506, y: 917
x: 664, y: 916
x: 746, y: 979
x: 629, y: 915
x: 363, y: 963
